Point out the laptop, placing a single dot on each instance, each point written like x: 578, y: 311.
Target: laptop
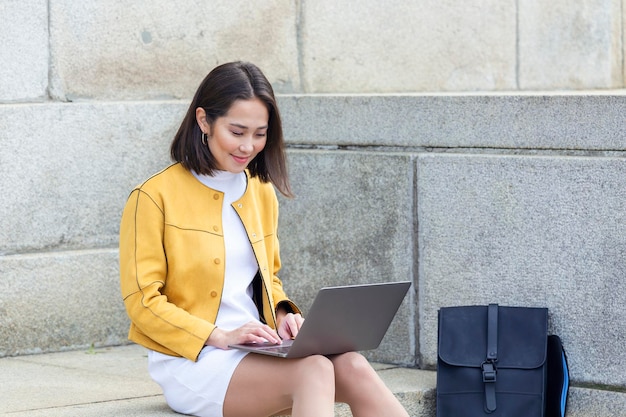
x: 341, y: 319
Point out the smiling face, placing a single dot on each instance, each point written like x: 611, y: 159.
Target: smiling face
x: 237, y: 137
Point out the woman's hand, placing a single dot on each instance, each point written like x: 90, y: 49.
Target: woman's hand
x: 289, y: 324
x: 251, y: 332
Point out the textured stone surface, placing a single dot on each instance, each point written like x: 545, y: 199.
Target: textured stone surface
x: 115, y: 381
x: 24, y: 52
x: 154, y: 50
x: 399, y: 46
x: 510, y: 122
x: 87, y: 382
x: 528, y: 231
x: 567, y: 46
x: 586, y: 402
x: 66, y: 176
x: 59, y: 301
x: 350, y: 223
x: 148, y: 50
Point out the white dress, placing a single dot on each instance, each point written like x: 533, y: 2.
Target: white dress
x: 198, y: 388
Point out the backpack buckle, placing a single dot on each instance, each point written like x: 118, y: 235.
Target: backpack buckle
x: 489, y: 371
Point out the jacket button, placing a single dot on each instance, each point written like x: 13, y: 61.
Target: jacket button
x: 213, y: 294
x: 216, y: 196
x: 240, y: 205
x: 217, y: 261
x: 215, y: 228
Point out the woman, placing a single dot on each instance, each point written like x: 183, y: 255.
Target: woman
x: 199, y: 258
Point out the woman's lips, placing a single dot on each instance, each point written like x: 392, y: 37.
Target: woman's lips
x: 240, y: 159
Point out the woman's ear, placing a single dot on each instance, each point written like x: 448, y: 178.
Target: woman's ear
x: 202, y: 122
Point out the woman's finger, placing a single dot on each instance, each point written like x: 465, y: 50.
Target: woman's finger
x: 259, y: 333
x: 292, y: 325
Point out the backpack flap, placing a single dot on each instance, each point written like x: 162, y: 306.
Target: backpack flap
x: 522, y: 336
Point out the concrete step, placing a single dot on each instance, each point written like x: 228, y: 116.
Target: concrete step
x: 115, y: 381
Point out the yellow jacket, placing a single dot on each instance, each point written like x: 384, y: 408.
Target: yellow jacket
x: 172, y: 258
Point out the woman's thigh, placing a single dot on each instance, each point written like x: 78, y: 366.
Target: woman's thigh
x: 264, y: 385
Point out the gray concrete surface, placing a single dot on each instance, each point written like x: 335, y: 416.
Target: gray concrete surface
x: 162, y: 49
x: 72, y: 301
x: 99, y: 382
x: 64, y: 188
x: 115, y: 382
x: 560, y: 46
x: 24, y: 53
x: 158, y: 49
x: 508, y: 123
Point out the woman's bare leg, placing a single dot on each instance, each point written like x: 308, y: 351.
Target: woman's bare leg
x: 358, y: 385
x: 264, y: 386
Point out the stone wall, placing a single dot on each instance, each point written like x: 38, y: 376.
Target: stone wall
x: 522, y: 203
x: 478, y: 151
x: 64, y: 50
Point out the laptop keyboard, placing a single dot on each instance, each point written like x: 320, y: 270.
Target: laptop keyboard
x: 277, y: 349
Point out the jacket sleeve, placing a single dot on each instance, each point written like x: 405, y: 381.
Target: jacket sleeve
x: 143, y: 274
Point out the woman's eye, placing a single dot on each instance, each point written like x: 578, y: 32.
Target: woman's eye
x: 236, y: 133
x: 261, y: 135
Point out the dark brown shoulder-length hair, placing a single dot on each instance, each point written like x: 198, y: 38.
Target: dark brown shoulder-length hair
x: 218, y: 91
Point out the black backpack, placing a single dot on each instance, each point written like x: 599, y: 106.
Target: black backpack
x: 499, y: 361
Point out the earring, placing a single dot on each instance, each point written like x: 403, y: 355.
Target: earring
x: 204, y: 138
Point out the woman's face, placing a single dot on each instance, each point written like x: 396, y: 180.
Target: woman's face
x: 238, y: 136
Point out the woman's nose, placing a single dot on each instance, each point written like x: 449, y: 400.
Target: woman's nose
x: 246, y: 146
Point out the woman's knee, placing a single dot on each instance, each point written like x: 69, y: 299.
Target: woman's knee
x: 315, y: 373
x: 316, y: 367
x: 352, y: 366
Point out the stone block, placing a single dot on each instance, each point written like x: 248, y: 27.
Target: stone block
x: 59, y: 301
x: 528, y: 231
x: 67, y: 169
x: 572, y: 46
x: 351, y: 223
x: 520, y: 122
x: 148, y: 50
x: 398, y: 46
x: 24, y: 53
x: 586, y: 402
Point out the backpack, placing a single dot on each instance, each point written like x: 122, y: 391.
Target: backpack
x: 499, y: 361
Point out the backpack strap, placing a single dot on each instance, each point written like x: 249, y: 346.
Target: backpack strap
x: 489, y: 366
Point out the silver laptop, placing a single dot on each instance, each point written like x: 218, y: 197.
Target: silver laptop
x: 341, y: 319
